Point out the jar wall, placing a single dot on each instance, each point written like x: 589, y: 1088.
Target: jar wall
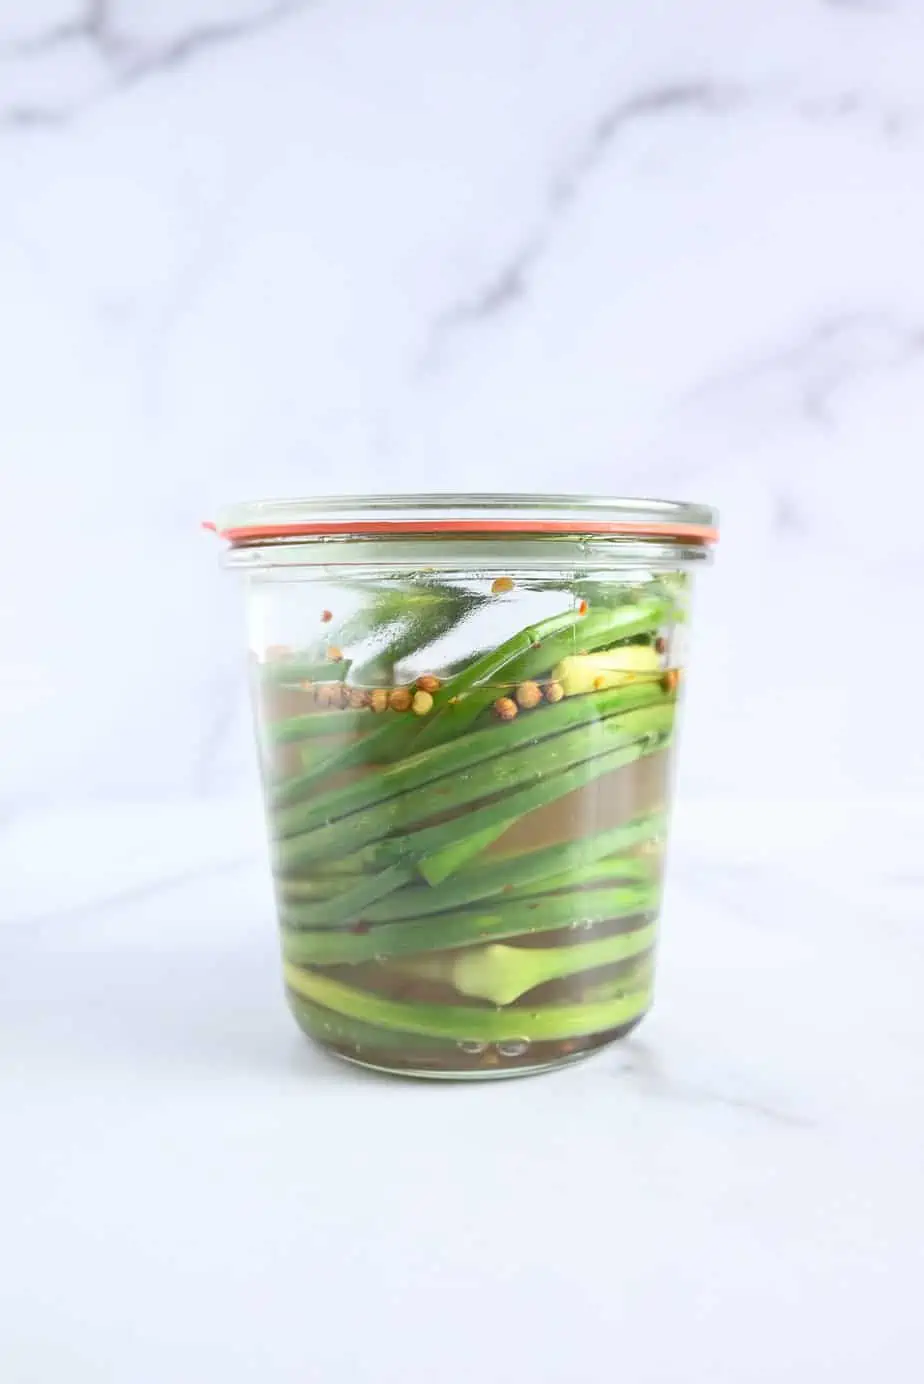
x: 467, y: 775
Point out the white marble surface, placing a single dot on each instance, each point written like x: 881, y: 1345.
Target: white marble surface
x: 250, y: 248
x: 190, y: 1190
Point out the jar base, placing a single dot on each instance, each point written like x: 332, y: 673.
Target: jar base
x: 487, y: 1074
x: 490, y: 1066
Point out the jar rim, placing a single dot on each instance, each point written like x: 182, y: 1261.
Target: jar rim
x: 474, y: 514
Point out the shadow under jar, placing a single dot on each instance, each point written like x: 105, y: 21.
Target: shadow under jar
x: 466, y: 712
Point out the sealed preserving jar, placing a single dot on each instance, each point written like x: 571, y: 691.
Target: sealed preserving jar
x: 466, y: 712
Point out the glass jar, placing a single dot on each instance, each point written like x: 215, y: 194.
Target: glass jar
x: 465, y: 710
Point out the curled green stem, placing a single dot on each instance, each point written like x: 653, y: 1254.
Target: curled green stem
x: 530, y: 653
x: 608, y: 1007
x: 539, y: 765
x: 467, y: 927
x: 464, y: 696
x: 456, y: 758
x: 315, y: 725
x: 439, y: 851
x: 501, y: 974
x: 325, y: 902
x: 562, y: 866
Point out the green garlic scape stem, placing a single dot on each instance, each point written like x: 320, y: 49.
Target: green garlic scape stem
x: 447, y: 763
x: 468, y: 927
x: 528, y: 652
x: 423, y: 768
x: 329, y: 1027
x: 352, y: 902
x: 391, y: 742
x: 388, y: 866
x: 619, y: 869
x: 314, y: 725
x: 614, y: 1007
x: 536, y: 871
x: 502, y: 974
x: 304, y: 905
x: 314, y: 890
x: 440, y: 851
x: 540, y: 765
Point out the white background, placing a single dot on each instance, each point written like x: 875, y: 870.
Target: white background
x: 623, y: 246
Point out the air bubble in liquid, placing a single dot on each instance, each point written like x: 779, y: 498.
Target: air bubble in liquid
x: 514, y: 1047
x: 471, y: 1046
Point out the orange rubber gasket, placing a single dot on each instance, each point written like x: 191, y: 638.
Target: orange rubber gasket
x: 694, y: 533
